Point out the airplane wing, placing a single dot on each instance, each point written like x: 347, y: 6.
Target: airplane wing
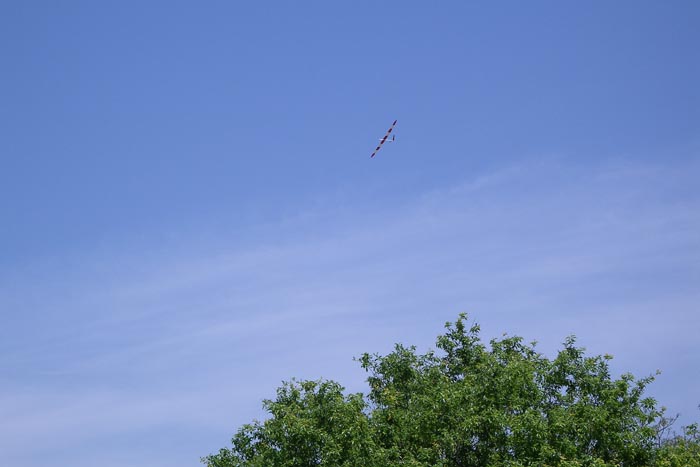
x: 391, y: 128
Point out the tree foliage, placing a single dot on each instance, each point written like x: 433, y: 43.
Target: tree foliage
x: 680, y: 450
x: 466, y: 404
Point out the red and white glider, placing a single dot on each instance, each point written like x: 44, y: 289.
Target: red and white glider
x: 385, y: 139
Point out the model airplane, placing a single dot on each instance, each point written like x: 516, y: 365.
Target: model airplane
x: 385, y: 139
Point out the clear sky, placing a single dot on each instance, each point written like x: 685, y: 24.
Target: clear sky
x: 189, y: 214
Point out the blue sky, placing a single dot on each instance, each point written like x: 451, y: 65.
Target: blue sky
x: 190, y: 215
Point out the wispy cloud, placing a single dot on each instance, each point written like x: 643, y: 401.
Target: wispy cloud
x: 176, y: 342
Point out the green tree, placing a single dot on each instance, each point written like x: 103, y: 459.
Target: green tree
x: 679, y: 450
x: 465, y: 404
x: 311, y: 424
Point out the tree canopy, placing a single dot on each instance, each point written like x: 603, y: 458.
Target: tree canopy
x: 467, y: 404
